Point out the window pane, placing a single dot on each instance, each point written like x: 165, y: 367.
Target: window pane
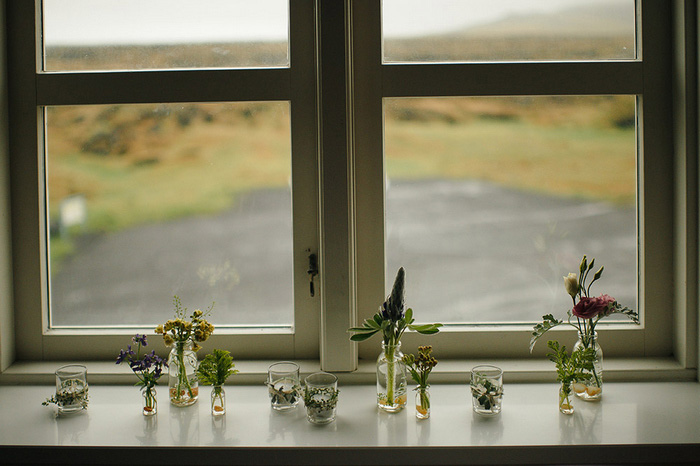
x: 504, y: 30
x: 164, y: 34
x: 148, y: 201
x: 491, y: 200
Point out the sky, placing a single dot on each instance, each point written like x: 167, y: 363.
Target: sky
x: 77, y: 22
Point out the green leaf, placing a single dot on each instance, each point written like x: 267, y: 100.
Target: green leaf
x: 426, y: 329
x: 409, y: 316
x: 362, y: 336
x: 548, y: 323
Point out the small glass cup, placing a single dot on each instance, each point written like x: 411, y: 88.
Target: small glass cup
x: 487, y: 389
x: 321, y: 397
x: 283, y: 385
x: 71, y: 388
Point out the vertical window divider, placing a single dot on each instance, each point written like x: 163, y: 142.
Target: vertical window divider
x: 337, y: 265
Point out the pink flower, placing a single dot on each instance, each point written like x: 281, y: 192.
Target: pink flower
x: 608, y: 301
x: 587, y: 308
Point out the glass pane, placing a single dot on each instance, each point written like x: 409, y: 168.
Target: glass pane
x: 164, y: 34
x: 491, y: 200
x: 506, y: 30
x: 151, y: 201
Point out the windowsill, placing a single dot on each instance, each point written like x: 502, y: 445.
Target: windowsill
x: 635, y: 422
x: 253, y: 372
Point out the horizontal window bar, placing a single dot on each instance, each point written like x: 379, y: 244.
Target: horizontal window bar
x: 589, y: 78
x: 163, y: 86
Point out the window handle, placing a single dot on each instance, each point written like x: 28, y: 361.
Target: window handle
x: 312, y: 271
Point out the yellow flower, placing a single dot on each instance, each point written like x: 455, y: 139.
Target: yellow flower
x: 168, y: 340
x: 160, y: 330
x: 197, y: 313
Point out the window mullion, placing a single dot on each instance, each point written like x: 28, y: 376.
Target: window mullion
x: 491, y: 79
x: 337, y: 267
x: 163, y: 86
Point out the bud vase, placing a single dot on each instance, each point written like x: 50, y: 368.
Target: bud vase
x: 218, y: 401
x: 391, y: 379
x: 565, y: 406
x: 422, y: 403
x: 182, y: 367
x: 590, y: 387
x: 150, y: 401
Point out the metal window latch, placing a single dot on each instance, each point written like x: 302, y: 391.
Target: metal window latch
x: 312, y: 271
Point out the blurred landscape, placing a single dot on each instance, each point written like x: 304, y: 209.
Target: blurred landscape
x: 146, y: 164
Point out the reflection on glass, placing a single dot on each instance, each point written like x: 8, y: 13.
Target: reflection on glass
x: 490, y: 201
x: 503, y: 30
x: 149, y: 201
x: 164, y: 34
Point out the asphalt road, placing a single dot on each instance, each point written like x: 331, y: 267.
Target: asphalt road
x: 472, y: 252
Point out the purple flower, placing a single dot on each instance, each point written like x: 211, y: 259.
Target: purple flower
x: 140, y: 339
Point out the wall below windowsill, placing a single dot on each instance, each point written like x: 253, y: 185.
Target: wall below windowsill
x: 635, y: 422
x: 534, y: 369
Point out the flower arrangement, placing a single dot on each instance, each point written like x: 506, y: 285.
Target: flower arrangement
x: 214, y: 369
x: 420, y: 368
x: 392, y: 321
x: 148, y: 370
x: 587, y: 311
x: 184, y: 335
x: 570, y: 368
x: 179, y: 330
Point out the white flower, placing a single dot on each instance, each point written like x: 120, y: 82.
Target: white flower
x: 571, y: 284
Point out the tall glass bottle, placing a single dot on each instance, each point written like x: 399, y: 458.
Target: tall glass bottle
x: 391, y: 379
x: 590, y: 388
x: 182, y: 367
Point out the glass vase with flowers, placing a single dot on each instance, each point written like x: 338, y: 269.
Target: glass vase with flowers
x: 392, y: 321
x: 184, y: 336
x: 420, y: 368
x: 585, y: 314
x: 148, y: 370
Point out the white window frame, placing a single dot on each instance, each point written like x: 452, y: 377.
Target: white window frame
x: 340, y: 128
x: 32, y: 90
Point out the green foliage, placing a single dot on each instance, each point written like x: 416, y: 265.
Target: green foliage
x: 391, y: 320
x: 215, y: 368
x: 421, y: 366
x: 548, y: 323
x: 570, y: 368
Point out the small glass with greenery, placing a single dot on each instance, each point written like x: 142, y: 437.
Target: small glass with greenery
x: 487, y: 389
x: 569, y: 369
x: 420, y: 368
x: 213, y: 370
x: 71, y: 389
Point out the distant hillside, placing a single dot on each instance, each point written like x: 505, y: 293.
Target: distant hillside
x: 594, y: 19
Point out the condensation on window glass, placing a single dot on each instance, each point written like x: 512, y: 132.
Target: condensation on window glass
x: 490, y: 201
x: 506, y: 30
x: 164, y: 34
x: 150, y: 201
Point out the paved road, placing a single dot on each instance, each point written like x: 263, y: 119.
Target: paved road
x: 472, y: 251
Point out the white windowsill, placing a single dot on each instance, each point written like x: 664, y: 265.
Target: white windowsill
x: 635, y: 422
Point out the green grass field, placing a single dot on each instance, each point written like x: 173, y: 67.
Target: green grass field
x: 139, y: 164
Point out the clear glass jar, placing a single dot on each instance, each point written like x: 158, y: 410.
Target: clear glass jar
x: 71, y: 388
x: 218, y: 401
x: 150, y: 401
x: 565, y: 406
x: 422, y: 403
x: 590, y: 388
x: 391, y: 379
x: 182, y: 368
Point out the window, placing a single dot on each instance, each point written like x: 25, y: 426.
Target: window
x: 344, y: 99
